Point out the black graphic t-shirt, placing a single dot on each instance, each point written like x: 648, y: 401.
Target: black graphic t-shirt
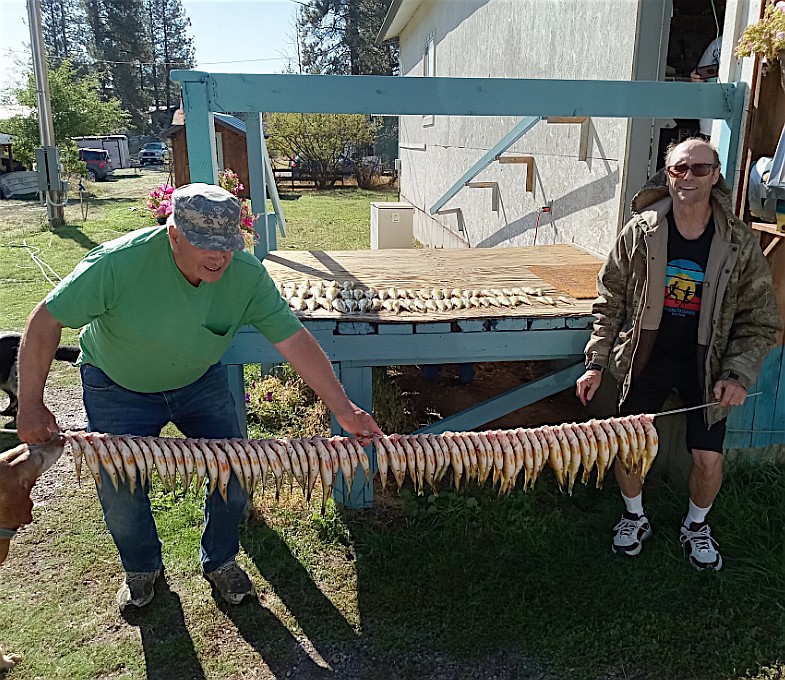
x: 678, y: 333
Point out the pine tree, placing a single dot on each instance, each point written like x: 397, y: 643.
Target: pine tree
x: 171, y: 48
x: 119, y: 46
x: 64, y: 31
x: 339, y: 37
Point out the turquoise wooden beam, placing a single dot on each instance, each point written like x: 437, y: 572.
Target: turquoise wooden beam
x: 449, y: 348
x: 487, y: 158
x: 257, y: 176
x: 463, y: 96
x: 509, y: 401
x: 730, y: 134
x: 200, y: 131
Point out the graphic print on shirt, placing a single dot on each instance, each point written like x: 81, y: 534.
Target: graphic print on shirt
x: 683, y: 288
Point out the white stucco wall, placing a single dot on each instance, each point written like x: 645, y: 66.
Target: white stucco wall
x: 571, y: 39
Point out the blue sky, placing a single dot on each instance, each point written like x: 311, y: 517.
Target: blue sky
x: 257, y: 35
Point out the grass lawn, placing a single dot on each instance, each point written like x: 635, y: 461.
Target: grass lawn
x: 457, y: 586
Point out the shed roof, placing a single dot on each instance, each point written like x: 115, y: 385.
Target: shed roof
x: 399, y: 14
x: 178, y: 122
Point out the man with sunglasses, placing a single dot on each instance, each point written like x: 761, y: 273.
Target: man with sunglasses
x: 685, y: 302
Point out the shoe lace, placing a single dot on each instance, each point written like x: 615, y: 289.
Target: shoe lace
x: 700, y: 539
x: 627, y: 527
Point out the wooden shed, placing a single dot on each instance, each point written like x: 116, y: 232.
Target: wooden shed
x: 230, y: 147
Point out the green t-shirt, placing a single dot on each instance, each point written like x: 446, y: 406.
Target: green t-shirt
x: 149, y: 329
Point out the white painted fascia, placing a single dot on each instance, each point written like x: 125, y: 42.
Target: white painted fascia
x: 399, y: 14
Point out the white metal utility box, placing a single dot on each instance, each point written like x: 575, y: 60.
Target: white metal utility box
x: 391, y: 225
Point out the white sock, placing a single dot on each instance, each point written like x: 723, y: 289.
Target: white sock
x: 696, y: 515
x: 634, y: 505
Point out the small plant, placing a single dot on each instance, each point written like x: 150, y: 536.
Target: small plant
x: 228, y: 179
x: 767, y: 36
x: 159, y: 202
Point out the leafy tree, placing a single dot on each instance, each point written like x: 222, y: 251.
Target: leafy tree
x: 77, y: 110
x: 339, y: 37
x: 320, y: 139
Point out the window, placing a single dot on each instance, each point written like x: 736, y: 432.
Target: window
x: 429, y: 68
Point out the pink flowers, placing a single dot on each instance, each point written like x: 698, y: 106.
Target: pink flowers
x: 159, y: 202
x: 229, y: 180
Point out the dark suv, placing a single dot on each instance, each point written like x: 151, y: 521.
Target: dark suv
x: 99, y: 164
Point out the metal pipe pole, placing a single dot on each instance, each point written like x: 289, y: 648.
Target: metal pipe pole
x: 54, y: 209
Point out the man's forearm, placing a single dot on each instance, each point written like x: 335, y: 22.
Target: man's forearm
x: 309, y: 360
x: 39, y: 343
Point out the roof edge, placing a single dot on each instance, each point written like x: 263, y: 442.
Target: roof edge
x: 399, y: 14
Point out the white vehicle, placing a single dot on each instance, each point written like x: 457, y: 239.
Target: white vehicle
x: 116, y: 145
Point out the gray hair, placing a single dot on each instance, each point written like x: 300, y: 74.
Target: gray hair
x: 675, y: 143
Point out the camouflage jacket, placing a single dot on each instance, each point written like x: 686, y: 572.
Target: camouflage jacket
x: 739, y: 318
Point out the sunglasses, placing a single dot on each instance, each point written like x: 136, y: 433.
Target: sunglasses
x: 679, y: 171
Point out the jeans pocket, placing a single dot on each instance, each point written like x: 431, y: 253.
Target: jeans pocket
x: 94, y: 378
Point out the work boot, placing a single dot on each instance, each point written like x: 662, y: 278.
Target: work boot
x: 231, y: 582
x: 137, y: 591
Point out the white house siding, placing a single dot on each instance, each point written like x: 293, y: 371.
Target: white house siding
x: 571, y: 39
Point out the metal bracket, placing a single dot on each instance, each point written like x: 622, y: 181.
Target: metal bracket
x: 583, y: 121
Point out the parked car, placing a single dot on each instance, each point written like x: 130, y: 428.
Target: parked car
x: 99, y: 164
x: 153, y: 152
x: 306, y: 167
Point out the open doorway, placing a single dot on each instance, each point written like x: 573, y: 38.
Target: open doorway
x: 693, y: 41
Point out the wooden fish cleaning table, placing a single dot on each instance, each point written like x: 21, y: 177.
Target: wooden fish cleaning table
x: 357, y: 342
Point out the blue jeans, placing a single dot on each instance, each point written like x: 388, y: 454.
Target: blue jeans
x: 204, y: 408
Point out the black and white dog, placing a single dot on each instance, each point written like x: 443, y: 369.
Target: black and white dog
x: 9, y: 378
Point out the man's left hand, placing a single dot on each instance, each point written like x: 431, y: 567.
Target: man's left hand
x: 729, y: 393
x: 358, y: 423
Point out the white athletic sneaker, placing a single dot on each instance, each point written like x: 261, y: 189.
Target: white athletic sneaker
x: 704, y: 551
x: 630, y: 533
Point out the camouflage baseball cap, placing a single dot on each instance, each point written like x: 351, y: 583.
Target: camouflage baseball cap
x: 208, y: 215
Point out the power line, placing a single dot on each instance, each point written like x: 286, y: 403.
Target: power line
x: 167, y: 63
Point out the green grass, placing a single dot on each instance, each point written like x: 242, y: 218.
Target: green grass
x: 462, y: 585
x: 330, y: 220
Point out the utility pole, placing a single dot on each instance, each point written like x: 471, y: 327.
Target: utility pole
x: 49, y: 179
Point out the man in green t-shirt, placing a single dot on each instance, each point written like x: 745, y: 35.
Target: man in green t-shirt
x: 159, y: 308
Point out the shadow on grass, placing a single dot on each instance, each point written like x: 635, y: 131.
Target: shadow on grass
x: 319, y: 619
x: 75, y: 233
x: 169, y: 652
x: 261, y: 629
x: 531, y: 575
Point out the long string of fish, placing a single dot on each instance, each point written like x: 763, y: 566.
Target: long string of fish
x: 470, y: 457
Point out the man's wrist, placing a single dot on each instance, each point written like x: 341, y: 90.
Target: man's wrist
x: 592, y: 366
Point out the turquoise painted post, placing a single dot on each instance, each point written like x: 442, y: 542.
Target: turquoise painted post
x: 199, y: 128
x: 730, y: 135
x: 358, y: 385
x: 234, y: 373
x: 256, y: 176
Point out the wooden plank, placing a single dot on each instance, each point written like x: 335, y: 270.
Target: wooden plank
x: 482, y: 185
x: 354, y: 328
x: 547, y: 324
x: 396, y: 329
x: 450, y: 269
x: 766, y: 228
x: 433, y: 328
x: 769, y: 248
x: 471, y: 326
x: 434, y: 348
x: 509, y: 401
x: 566, y: 119
x: 464, y: 96
x: 765, y: 419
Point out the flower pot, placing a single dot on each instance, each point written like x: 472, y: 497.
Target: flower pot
x: 161, y: 220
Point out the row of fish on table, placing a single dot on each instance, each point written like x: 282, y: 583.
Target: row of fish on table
x: 470, y: 457
x: 345, y: 298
